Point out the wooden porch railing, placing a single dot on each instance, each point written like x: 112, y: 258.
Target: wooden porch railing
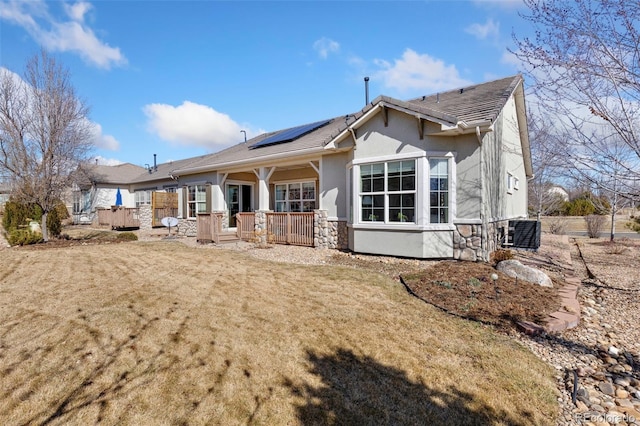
x: 209, y: 227
x: 290, y: 228
x: 119, y: 217
x: 245, y: 223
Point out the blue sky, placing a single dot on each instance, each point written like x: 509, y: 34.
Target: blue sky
x: 182, y: 78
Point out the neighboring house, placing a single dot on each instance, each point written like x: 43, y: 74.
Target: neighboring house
x: 433, y: 177
x: 559, y: 191
x: 97, y: 186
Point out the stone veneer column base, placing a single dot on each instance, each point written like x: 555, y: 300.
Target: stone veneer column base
x: 476, y: 243
x: 188, y: 227
x: 329, y: 234
x: 145, y: 216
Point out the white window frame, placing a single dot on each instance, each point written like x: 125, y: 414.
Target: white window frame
x: 385, y: 194
x: 448, y: 191
x: 200, y: 206
x: 142, y: 197
x: 287, y: 201
x: 422, y: 198
x: 510, y: 183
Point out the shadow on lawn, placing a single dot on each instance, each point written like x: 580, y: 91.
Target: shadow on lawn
x: 358, y: 390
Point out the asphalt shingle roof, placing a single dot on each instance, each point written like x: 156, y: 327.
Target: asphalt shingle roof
x: 474, y: 103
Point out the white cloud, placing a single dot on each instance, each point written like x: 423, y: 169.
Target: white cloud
x: 101, y: 140
x: 78, y: 10
x: 418, y: 72
x: 325, y: 46
x: 490, y: 29
x: 107, y: 161
x: 61, y: 35
x: 193, y: 124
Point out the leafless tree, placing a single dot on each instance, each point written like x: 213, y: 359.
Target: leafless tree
x: 44, y: 133
x: 544, y: 199
x: 583, y: 62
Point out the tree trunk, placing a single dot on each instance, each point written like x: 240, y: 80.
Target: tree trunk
x: 45, y: 231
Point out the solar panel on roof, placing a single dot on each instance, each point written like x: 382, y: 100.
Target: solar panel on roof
x: 290, y: 134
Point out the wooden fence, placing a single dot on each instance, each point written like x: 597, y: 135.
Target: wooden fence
x: 245, y: 223
x: 119, y: 217
x: 163, y: 204
x: 209, y: 227
x: 290, y: 228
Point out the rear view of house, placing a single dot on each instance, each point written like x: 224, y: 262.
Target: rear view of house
x: 434, y: 177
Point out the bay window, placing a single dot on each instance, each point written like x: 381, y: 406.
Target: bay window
x: 439, y: 190
x: 388, y: 191
x: 417, y: 191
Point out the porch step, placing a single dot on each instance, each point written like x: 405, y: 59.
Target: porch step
x: 228, y: 237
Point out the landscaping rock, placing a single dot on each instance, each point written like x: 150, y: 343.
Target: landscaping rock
x: 515, y: 269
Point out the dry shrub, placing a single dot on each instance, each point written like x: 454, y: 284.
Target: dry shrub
x: 127, y: 236
x: 558, y: 225
x: 502, y: 254
x: 615, y: 248
x: 594, y: 225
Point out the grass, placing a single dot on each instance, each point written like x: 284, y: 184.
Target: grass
x: 160, y: 333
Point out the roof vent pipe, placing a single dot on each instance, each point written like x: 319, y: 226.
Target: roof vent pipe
x: 155, y: 165
x: 438, y: 97
x: 366, y: 91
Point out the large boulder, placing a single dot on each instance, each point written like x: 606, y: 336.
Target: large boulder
x: 515, y: 269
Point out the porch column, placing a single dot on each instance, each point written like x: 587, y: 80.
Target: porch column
x: 217, y: 192
x: 263, y: 174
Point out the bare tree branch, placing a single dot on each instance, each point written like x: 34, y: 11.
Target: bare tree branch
x: 44, y: 133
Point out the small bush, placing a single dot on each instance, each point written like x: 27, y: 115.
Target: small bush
x: 558, y: 225
x: 127, y: 236
x: 23, y: 236
x: 54, y: 223
x: 615, y: 248
x: 502, y: 254
x: 16, y: 215
x: 634, y: 225
x: 594, y: 225
x: 474, y: 282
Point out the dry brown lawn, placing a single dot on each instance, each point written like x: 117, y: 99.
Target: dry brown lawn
x: 160, y: 333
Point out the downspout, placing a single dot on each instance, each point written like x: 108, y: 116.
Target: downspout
x: 483, y: 216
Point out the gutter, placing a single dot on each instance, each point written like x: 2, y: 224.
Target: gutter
x: 257, y: 160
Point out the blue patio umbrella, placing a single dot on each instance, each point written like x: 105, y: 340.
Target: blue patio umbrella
x: 118, y: 198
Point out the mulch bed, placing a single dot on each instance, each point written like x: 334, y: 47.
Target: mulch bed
x: 466, y: 289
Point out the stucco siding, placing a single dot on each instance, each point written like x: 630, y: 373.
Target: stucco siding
x: 424, y: 245
x: 400, y: 137
x: 333, y: 190
x: 467, y: 158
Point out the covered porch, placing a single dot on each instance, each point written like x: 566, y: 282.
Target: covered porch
x: 270, y: 204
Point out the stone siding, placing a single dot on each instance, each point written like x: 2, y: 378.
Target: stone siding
x: 188, y: 227
x: 145, y: 216
x: 476, y: 243
x: 331, y: 234
x: 260, y: 228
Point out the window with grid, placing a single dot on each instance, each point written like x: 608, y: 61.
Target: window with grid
x: 439, y: 190
x: 295, y: 197
x: 196, y: 200
x: 142, y: 198
x: 388, y: 191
